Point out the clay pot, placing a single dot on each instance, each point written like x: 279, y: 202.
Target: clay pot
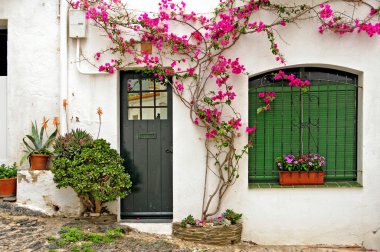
x: 38, y: 161
x: 8, y: 187
x: 302, y: 178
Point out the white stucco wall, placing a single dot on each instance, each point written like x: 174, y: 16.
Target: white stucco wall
x: 36, y: 190
x: 271, y: 216
x: 33, y: 67
x: 3, y: 119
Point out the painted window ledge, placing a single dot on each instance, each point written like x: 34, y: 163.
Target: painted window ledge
x: 350, y: 184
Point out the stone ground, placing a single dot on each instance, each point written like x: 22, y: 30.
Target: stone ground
x: 25, y: 230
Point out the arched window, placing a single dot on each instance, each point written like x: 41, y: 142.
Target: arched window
x: 322, y: 120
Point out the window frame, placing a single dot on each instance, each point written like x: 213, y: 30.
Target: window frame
x: 305, y: 73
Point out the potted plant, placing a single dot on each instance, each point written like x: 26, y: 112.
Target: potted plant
x: 8, y: 180
x: 37, y: 149
x: 304, y: 169
x: 221, y: 230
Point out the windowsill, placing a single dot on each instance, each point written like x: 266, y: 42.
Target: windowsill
x: 350, y: 184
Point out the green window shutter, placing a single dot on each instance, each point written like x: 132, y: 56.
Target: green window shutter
x: 322, y: 121
x: 332, y: 113
x: 276, y: 131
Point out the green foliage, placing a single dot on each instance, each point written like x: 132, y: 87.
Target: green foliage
x: 78, y: 240
x: 84, y: 247
x: 8, y: 171
x: 94, y: 170
x: 189, y: 220
x: 71, y: 234
x: 115, y: 233
x: 232, y: 216
x: 35, y: 143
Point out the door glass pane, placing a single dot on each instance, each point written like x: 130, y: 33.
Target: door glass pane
x: 147, y: 84
x: 134, y: 114
x: 148, y: 99
x: 161, y: 113
x: 147, y: 114
x: 133, y: 85
x: 160, y: 85
x: 162, y: 99
x: 134, y: 100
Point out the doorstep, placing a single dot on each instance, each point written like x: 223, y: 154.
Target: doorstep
x: 152, y: 227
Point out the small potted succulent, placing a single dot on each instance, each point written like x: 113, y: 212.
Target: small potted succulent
x: 37, y: 149
x: 8, y: 180
x: 304, y: 169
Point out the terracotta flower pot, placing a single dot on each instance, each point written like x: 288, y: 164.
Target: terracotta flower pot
x: 8, y: 187
x: 38, y: 161
x: 301, y: 178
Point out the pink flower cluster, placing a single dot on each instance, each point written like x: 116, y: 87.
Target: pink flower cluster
x: 293, y: 81
x: 341, y: 25
x: 250, y: 130
x: 212, y: 134
x: 267, y: 97
x: 235, y: 123
x: 110, y: 67
x: 326, y: 11
x: 221, y: 95
x: 224, y: 65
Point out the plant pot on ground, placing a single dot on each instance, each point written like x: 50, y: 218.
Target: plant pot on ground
x: 8, y: 180
x: 222, y: 230
x: 305, y: 169
x: 36, y: 149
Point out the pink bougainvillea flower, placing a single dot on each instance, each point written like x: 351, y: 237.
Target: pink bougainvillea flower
x: 250, y: 130
x: 211, y: 135
x: 261, y: 94
x: 179, y: 87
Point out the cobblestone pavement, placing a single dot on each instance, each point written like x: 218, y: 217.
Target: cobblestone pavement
x: 23, y: 230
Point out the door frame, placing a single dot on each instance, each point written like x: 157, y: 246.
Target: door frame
x: 159, y: 219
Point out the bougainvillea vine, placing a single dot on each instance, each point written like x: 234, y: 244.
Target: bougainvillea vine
x: 189, y: 53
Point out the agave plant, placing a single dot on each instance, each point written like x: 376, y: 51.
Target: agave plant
x: 36, y: 144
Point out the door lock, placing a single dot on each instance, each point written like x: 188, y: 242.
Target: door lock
x: 168, y: 151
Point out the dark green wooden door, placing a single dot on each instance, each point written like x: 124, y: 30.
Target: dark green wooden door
x: 146, y: 145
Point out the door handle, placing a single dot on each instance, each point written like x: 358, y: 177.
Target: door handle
x: 168, y: 151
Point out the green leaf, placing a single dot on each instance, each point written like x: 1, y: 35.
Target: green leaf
x: 50, y: 140
x: 34, y: 130
x: 41, y: 134
x: 24, y: 158
x: 27, y: 145
x: 36, y: 146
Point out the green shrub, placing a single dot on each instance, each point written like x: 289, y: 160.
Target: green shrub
x: 8, y: 171
x: 92, y: 168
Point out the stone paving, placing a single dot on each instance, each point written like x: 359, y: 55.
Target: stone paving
x: 25, y: 230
